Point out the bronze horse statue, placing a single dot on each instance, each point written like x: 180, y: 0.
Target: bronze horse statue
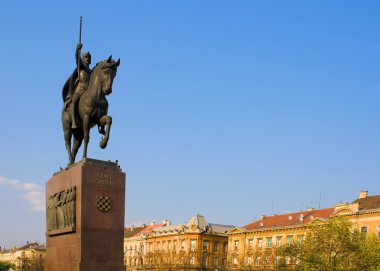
x: 92, y: 110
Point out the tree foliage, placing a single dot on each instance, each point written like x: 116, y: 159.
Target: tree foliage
x: 334, y: 245
x: 31, y: 264
x: 5, y: 266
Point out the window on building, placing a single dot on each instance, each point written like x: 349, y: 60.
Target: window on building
x: 205, y: 245
x: 249, y: 260
x: 142, y: 248
x: 163, y: 245
x: 236, y: 244
x: 258, y: 261
x: 287, y: 260
x: 192, y: 260
x: 183, y: 244
x: 235, y: 261
x: 224, y: 248
x: 267, y: 260
x: 224, y: 262
x: 289, y: 239
x: 269, y: 242
x: 300, y: 239
x: 158, y: 245
x: 175, y: 245
x: 364, y: 231
x: 216, y: 246
x: 250, y: 243
x: 279, y: 240
x: 204, y: 261
x: 259, y: 243
x: 215, y: 261
x: 169, y: 245
x: 192, y: 245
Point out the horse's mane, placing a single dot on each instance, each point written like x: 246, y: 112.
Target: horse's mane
x: 104, y: 64
x: 100, y: 64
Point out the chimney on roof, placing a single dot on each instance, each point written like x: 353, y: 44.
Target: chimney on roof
x: 290, y: 217
x: 310, y: 209
x: 152, y: 223
x: 301, y: 217
x: 262, y: 217
x: 363, y: 194
x: 168, y: 223
x: 132, y: 227
x: 165, y: 222
x: 143, y: 225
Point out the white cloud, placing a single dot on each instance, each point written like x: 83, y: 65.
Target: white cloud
x: 33, y: 192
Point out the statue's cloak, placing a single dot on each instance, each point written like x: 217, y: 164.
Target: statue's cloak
x: 71, y: 83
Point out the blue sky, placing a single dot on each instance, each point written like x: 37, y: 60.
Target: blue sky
x: 226, y: 108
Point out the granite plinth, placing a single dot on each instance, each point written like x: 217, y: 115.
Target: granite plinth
x: 95, y: 242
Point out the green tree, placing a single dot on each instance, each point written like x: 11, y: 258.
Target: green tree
x: 5, y: 266
x: 329, y: 246
x: 367, y: 256
x: 30, y: 264
x: 333, y: 245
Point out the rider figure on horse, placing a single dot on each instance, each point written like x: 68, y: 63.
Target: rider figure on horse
x: 77, y: 84
x: 83, y: 80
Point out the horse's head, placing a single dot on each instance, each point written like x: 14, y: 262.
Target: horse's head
x: 106, y: 72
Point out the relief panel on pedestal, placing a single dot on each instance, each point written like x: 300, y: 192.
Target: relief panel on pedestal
x: 61, y: 212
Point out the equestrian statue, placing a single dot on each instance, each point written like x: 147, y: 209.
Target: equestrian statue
x: 84, y: 101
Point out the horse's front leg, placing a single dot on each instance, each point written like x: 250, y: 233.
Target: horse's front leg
x: 67, y: 135
x: 86, y: 134
x: 105, y: 120
x: 78, y: 138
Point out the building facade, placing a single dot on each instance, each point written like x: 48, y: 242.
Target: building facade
x: 28, y: 257
x: 255, y: 246
x: 194, y: 245
x: 364, y: 212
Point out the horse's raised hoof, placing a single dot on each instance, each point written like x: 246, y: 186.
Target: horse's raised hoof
x: 102, y: 131
x: 103, y: 143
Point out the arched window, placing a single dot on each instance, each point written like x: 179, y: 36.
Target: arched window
x: 378, y: 231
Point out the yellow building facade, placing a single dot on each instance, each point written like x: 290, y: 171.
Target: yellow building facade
x: 195, y: 245
x: 255, y: 245
x: 24, y: 257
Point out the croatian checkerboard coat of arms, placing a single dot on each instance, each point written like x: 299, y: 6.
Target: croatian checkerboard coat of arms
x: 103, y: 203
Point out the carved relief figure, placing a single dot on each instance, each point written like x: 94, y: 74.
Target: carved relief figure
x: 60, y: 210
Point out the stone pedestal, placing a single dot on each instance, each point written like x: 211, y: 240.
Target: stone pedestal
x: 85, y: 218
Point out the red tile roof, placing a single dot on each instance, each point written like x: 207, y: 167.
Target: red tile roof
x: 149, y: 228
x: 130, y: 232
x: 136, y: 231
x: 29, y: 246
x: 288, y: 220
x: 368, y: 203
